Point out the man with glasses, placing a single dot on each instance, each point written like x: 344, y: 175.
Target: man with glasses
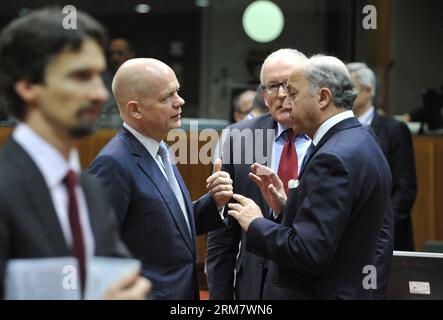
x: 232, y: 272
x: 326, y: 244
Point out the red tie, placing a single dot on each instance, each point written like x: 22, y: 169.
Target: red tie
x: 288, y: 166
x: 76, y: 229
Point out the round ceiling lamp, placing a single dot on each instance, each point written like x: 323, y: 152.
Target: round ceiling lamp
x: 263, y: 21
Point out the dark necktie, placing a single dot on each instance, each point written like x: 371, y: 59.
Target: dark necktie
x: 288, y: 166
x: 76, y: 229
x: 307, y: 156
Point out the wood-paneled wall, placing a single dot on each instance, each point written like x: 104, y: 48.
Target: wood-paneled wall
x: 427, y: 214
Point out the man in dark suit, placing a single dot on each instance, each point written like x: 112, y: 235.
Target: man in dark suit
x: 50, y: 79
x: 157, y: 219
x: 226, y: 257
x: 325, y: 246
x: 396, y: 143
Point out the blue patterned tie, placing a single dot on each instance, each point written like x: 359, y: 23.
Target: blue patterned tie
x: 164, y: 156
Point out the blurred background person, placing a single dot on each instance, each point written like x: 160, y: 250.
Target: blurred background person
x: 243, y: 104
x: 120, y: 50
x: 396, y: 142
x: 48, y: 207
x: 258, y: 105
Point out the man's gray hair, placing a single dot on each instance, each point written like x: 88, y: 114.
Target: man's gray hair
x: 288, y: 53
x: 364, y: 75
x: 329, y: 72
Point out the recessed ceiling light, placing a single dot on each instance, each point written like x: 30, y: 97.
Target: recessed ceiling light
x: 23, y: 11
x: 202, y: 3
x: 142, y: 8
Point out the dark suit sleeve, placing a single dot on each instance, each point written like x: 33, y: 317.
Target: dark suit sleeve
x: 309, y: 244
x: 110, y: 171
x: 207, y: 217
x: 385, y: 246
x: 222, y: 247
x: 402, y: 163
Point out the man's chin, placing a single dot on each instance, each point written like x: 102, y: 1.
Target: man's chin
x: 286, y: 122
x: 177, y: 124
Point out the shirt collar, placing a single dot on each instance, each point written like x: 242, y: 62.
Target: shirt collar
x: 367, y: 117
x: 49, y: 160
x: 150, y: 144
x: 281, y: 129
x: 328, y: 124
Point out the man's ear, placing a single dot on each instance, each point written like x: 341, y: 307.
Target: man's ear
x: 134, y: 109
x: 27, y: 91
x: 325, y: 96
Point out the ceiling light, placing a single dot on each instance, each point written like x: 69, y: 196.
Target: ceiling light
x: 142, y: 8
x: 263, y: 21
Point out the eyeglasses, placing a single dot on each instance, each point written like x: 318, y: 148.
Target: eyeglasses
x: 273, y: 87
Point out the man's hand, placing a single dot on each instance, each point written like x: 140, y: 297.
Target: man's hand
x: 130, y: 287
x: 270, y: 186
x: 220, y: 185
x: 245, y: 211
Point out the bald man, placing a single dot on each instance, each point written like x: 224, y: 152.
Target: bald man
x: 158, y: 221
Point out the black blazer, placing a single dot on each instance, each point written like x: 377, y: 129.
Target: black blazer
x: 223, y: 244
x: 396, y: 143
x: 331, y: 222
x: 29, y: 226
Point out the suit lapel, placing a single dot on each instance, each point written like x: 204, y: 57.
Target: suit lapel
x: 188, y: 200
x: 342, y: 125
x: 148, y: 165
x: 38, y: 194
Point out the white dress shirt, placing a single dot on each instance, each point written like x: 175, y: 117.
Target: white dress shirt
x: 328, y: 124
x: 367, y: 117
x: 54, y: 169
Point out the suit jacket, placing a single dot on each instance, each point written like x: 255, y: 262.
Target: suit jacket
x: 396, y: 143
x: 331, y: 222
x: 150, y: 218
x: 29, y: 226
x: 223, y: 254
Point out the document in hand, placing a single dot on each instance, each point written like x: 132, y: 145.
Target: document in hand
x: 57, y: 278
